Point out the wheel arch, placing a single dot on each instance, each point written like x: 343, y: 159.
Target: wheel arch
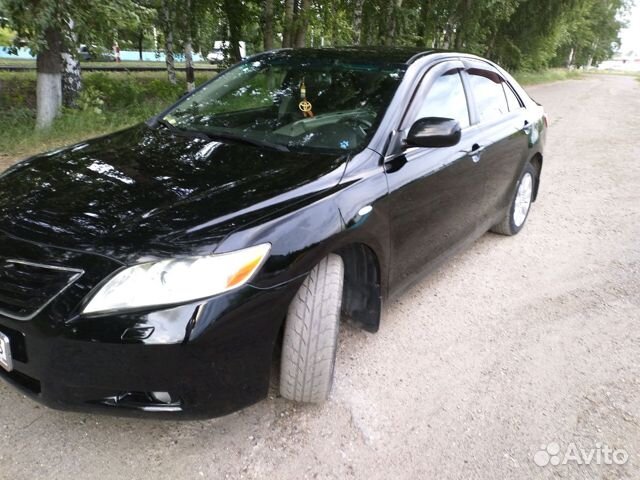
x: 297, y: 248
x: 362, y: 295
x: 536, y: 161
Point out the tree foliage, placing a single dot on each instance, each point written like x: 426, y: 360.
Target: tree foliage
x: 521, y: 34
x: 89, y: 22
x: 593, y: 35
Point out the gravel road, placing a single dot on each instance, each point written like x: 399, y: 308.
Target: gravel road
x: 515, y: 344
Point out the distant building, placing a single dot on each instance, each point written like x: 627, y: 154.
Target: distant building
x: 629, y: 62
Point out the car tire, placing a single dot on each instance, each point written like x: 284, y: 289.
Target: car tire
x: 311, y: 334
x: 521, y: 202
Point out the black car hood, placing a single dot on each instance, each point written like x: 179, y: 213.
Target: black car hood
x: 145, y: 192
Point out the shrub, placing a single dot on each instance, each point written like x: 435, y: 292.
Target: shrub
x: 108, y: 101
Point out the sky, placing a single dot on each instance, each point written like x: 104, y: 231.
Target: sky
x: 631, y: 35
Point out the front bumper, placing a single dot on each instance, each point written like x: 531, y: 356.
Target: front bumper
x: 197, y: 360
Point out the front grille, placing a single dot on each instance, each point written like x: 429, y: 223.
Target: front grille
x: 26, y: 288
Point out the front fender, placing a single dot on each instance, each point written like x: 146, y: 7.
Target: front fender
x: 341, y: 217
x: 299, y: 240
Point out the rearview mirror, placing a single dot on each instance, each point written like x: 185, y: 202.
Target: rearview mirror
x: 434, y: 132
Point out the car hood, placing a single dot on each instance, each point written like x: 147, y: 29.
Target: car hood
x: 146, y: 192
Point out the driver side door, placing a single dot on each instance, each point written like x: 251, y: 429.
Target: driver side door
x: 435, y: 194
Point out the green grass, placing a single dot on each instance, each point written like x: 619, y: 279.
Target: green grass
x: 547, y: 76
x: 19, y: 139
x: 110, y: 101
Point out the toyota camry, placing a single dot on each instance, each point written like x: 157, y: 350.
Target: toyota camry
x: 166, y: 267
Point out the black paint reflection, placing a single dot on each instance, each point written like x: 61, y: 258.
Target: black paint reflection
x: 139, y: 191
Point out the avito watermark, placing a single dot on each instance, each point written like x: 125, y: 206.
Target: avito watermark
x: 553, y: 454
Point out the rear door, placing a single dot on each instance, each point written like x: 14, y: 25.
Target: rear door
x: 499, y: 114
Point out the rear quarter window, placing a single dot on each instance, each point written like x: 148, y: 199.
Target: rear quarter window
x: 512, y: 98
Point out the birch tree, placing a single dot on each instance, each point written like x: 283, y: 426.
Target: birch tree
x: 188, y: 45
x: 168, y: 16
x: 54, y: 28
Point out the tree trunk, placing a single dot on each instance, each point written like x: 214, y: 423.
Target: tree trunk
x: 156, y: 47
x: 424, y: 27
x: 457, y: 43
x: 140, y: 40
x: 594, y: 49
x: 492, y: 44
x: 392, y: 22
x: 233, y: 9
x: 287, y: 35
x: 71, y: 80
x: 49, y: 82
x: 368, y: 31
x: 570, y: 59
x: 463, y: 26
x: 188, y: 59
x: 357, y: 21
x: 168, y: 42
x: 267, y: 29
x: 188, y: 47
x: 302, y: 24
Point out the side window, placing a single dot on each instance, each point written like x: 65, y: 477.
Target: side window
x: 512, y: 99
x: 489, y: 95
x: 446, y: 99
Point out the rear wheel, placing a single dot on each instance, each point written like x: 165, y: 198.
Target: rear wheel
x: 518, y: 211
x: 311, y: 334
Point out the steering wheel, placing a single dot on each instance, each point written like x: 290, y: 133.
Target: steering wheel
x: 359, y: 124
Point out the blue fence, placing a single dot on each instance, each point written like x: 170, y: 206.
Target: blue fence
x: 125, y: 55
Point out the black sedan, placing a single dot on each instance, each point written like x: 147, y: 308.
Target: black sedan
x: 164, y: 267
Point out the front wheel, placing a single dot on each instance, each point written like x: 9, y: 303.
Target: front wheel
x: 311, y: 334
x: 518, y: 211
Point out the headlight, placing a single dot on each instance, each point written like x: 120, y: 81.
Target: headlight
x: 170, y: 282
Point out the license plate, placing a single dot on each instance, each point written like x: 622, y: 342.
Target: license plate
x: 6, y: 361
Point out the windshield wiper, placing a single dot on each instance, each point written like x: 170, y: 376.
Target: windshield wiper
x: 222, y: 136
x: 181, y: 131
x: 242, y: 139
x: 167, y: 125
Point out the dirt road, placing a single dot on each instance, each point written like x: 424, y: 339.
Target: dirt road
x: 515, y: 344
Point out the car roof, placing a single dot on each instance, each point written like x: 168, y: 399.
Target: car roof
x: 395, y: 55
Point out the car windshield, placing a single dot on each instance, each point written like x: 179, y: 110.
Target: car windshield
x: 300, y: 104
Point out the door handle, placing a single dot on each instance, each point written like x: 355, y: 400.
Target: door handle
x: 476, y: 153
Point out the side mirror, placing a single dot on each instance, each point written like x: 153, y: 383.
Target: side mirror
x: 434, y: 132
